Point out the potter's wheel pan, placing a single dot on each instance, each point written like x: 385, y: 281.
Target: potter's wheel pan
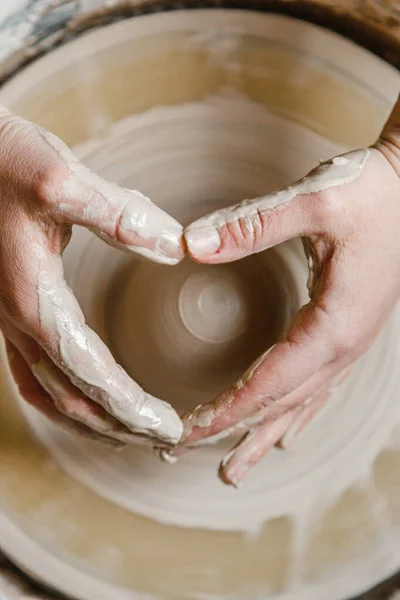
x: 207, y: 106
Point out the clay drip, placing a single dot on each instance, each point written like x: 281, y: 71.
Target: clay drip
x: 235, y: 108
x: 186, y: 333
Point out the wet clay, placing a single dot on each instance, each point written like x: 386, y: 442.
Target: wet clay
x: 185, y: 334
x: 233, y: 109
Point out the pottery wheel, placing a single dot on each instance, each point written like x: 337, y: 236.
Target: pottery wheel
x: 199, y: 110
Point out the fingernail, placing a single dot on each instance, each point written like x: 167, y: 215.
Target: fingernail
x: 227, y: 458
x: 234, y: 484
x: 202, y: 242
x: 233, y: 474
x: 233, y: 477
x: 171, y: 245
x: 228, y: 480
x: 161, y: 235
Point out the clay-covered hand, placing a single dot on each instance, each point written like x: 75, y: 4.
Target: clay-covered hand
x: 347, y: 211
x: 60, y: 365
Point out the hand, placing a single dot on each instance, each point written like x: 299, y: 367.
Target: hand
x: 60, y: 365
x: 348, y: 213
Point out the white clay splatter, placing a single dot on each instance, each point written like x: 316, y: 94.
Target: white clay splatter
x: 202, y: 235
x: 90, y: 366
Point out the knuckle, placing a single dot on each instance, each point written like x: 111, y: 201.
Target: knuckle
x: 258, y: 226
x: 23, y: 313
x: 338, y: 327
x: 345, y: 340
x: 339, y: 332
x: 10, y: 126
x: 314, y: 330
x: 245, y: 231
x: 327, y: 207
x: 16, y: 306
x: 343, y: 345
x: 44, y: 187
x: 333, y: 334
x: 233, y: 234
x: 48, y: 183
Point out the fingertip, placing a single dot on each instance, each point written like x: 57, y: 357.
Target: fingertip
x: 168, y: 426
x: 166, y: 246
x: 229, y: 476
x: 135, y: 224
x: 170, y: 248
x: 202, y: 243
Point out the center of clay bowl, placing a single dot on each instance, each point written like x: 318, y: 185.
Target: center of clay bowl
x: 186, y: 333
x: 213, y: 307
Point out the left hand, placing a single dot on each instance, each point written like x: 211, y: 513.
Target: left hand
x: 61, y: 366
x: 348, y: 213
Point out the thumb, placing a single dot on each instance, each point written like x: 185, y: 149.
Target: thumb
x: 124, y: 218
x: 255, y: 225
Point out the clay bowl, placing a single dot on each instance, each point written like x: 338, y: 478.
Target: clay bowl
x: 200, y: 109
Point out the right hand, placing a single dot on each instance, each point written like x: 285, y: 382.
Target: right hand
x: 60, y: 365
x: 347, y: 211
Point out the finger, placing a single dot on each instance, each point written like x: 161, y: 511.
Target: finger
x: 251, y: 449
x: 274, y: 377
x: 254, y: 225
x: 32, y: 392
x: 73, y: 404
x: 315, y: 404
x: 194, y: 442
x: 198, y: 437
x: 171, y: 454
x: 304, y: 418
x: 308, y: 401
x: 310, y: 397
x: 82, y: 356
x: 124, y: 218
x: 41, y: 303
x: 65, y: 397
